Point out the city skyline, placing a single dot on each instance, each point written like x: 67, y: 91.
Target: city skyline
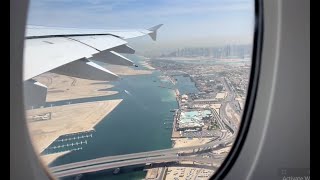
x: 195, y: 23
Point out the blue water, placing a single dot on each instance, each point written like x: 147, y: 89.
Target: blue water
x: 135, y: 125
x: 185, y: 85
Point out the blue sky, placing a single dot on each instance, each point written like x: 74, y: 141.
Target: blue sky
x: 187, y: 23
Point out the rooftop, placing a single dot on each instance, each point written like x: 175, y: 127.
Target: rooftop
x: 193, y: 118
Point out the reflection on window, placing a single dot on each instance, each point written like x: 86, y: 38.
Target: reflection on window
x: 181, y: 105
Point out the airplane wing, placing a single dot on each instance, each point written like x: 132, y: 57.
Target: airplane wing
x: 48, y: 48
x: 70, y: 51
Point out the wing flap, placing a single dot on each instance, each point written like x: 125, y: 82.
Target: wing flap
x: 112, y: 57
x: 35, y: 94
x: 123, y: 49
x: 85, y: 69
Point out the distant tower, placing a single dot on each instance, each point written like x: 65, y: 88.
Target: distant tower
x: 228, y: 49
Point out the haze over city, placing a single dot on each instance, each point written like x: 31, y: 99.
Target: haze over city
x: 201, y: 23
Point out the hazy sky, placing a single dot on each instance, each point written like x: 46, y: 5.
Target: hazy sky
x: 187, y: 23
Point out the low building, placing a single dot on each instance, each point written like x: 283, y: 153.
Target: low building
x: 184, y: 96
x: 193, y: 119
x: 205, y: 101
x: 221, y: 95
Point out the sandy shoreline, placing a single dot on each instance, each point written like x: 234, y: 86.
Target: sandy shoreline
x: 126, y: 70
x: 66, y: 119
x: 61, y: 87
x: 71, y: 118
x: 173, y: 172
x: 147, y: 65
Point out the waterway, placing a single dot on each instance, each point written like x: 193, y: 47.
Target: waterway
x: 135, y: 125
x: 185, y: 85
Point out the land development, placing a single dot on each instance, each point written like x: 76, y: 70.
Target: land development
x: 210, y: 97
x: 61, y: 118
x: 208, y: 114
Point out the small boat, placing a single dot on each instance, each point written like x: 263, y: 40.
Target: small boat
x: 116, y: 171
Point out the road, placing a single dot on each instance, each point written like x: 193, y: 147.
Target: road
x: 99, y: 167
x: 218, y: 119
x: 130, y: 159
x: 162, y: 173
x: 229, y: 99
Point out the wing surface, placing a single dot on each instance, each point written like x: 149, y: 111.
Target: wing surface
x: 47, y: 48
x: 69, y: 51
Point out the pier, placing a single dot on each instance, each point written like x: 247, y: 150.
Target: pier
x: 69, y: 142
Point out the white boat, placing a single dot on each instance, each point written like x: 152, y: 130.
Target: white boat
x: 116, y: 171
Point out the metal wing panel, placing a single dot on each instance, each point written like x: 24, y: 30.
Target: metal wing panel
x: 35, y: 94
x: 38, y: 31
x: 85, y: 69
x: 101, y: 43
x: 123, y: 49
x: 42, y: 55
x: 47, y: 48
x: 112, y: 57
x: 129, y: 34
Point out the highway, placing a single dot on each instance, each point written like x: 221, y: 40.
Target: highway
x: 225, y: 118
x: 230, y: 97
x: 218, y: 119
x: 104, y: 166
x: 131, y: 159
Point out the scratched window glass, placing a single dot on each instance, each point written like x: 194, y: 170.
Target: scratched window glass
x: 136, y: 89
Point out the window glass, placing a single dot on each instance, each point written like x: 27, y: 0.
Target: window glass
x: 171, y: 113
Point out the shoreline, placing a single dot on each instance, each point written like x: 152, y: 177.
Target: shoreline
x: 153, y: 173
x: 177, y: 141
x: 126, y: 70
x: 147, y: 65
x: 61, y: 122
x: 145, y: 62
x: 61, y: 87
x: 72, y: 118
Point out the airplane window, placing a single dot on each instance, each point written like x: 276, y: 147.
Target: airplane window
x: 136, y: 89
